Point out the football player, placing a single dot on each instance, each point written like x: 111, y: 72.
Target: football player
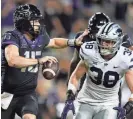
x: 104, y: 61
x: 21, y: 56
x: 94, y: 23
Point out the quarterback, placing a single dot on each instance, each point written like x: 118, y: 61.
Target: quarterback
x: 105, y: 61
x: 22, y: 50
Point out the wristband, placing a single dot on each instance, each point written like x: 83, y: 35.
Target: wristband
x: 71, y: 42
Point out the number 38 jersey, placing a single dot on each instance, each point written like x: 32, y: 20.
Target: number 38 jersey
x: 21, y: 80
x: 103, y: 77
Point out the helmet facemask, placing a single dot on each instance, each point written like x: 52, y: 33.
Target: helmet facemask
x: 109, y: 38
x: 108, y: 46
x: 36, y: 27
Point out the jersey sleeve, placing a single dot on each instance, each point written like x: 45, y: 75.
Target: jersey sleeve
x: 127, y: 41
x: 82, y: 53
x: 128, y: 58
x: 45, y: 38
x: 9, y: 39
x: 86, y: 38
x: 130, y: 64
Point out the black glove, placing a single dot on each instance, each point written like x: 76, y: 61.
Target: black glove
x: 128, y: 107
x: 123, y: 111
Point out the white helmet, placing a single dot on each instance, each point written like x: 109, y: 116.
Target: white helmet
x: 111, y: 33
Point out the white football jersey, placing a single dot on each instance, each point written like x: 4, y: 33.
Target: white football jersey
x: 102, y: 81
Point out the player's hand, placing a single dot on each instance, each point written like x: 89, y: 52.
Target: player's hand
x: 78, y: 41
x: 121, y: 112
x: 47, y: 58
x: 68, y: 105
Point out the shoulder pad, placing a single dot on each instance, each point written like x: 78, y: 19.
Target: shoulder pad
x: 88, y: 48
x: 9, y: 35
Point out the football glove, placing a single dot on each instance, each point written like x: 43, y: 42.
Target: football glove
x: 122, y: 112
x: 68, y: 104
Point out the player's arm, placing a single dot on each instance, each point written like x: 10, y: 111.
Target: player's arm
x: 75, y: 60
x: 63, y: 42
x: 129, y: 80
x: 58, y: 43
x: 80, y: 70
x: 72, y: 87
x: 131, y: 47
x: 15, y: 60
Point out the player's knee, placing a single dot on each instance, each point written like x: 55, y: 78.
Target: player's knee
x: 29, y: 116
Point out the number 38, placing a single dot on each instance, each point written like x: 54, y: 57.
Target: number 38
x: 107, y: 82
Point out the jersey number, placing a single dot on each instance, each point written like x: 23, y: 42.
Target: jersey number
x: 89, y: 45
x: 127, y: 52
x: 107, y: 82
x: 32, y: 55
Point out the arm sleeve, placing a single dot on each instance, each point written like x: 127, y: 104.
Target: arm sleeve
x: 8, y: 38
x: 45, y: 38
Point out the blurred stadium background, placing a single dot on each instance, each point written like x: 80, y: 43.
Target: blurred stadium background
x: 64, y: 18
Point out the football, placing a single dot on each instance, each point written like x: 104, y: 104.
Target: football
x: 50, y: 70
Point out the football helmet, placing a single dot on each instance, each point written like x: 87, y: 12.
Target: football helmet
x: 97, y: 21
x: 109, y: 38
x: 22, y: 17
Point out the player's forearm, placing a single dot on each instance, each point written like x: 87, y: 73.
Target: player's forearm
x: 129, y: 80
x: 73, y: 83
x: 75, y: 60
x: 60, y: 42
x: 20, y: 62
x: 76, y: 76
x: 73, y: 66
x: 130, y: 84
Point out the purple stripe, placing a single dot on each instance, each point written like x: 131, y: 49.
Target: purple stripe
x: 10, y: 42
